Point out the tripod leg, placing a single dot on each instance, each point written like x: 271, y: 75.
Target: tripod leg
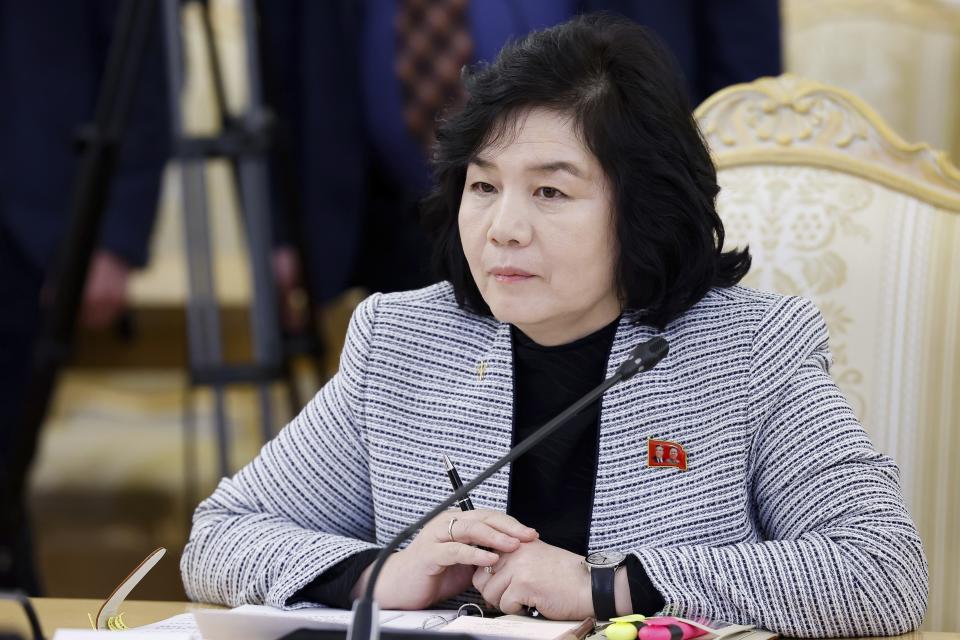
x: 255, y: 205
x: 250, y: 175
x: 213, y: 55
x: 223, y: 432
x: 190, y: 482
x: 250, y: 184
x: 203, y: 313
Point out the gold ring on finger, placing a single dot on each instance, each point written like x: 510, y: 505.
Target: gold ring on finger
x: 450, y: 529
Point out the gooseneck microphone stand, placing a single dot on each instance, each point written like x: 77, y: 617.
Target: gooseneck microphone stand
x: 365, y: 623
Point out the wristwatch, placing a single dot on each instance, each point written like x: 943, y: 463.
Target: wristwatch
x: 602, y: 566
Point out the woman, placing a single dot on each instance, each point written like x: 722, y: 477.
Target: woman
x: 574, y: 218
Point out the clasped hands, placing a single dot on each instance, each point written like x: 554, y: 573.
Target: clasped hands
x: 519, y: 570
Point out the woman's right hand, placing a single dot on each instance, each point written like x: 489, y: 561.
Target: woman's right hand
x: 434, y: 567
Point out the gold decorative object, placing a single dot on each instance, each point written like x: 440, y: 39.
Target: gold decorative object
x: 789, y: 120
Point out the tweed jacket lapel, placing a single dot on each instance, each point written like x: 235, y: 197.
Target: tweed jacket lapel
x: 614, y: 460
x: 494, y: 383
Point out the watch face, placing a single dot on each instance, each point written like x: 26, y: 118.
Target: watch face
x: 606, y: 559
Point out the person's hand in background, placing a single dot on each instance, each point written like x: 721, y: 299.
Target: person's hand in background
x: 105, y: 293
x: 290, y: 294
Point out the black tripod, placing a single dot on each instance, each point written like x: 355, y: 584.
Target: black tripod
x: 243, y: 141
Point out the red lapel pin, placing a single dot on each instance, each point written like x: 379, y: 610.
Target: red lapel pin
x: 666, y: 453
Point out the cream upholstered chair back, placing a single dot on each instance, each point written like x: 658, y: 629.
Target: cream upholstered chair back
x: 839, y: 209
x: 901, y: 56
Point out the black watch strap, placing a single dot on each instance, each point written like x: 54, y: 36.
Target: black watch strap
x: 604, y: 601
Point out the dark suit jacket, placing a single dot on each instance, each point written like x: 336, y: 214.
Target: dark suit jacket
x: 52, y: 58
x: 716, y: 42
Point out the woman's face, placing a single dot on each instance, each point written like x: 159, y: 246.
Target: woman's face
x: 536, y: 223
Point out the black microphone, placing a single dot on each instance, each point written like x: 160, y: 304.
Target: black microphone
x: 366, y: 614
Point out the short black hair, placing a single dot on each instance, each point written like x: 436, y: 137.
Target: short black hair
x: 627, y: 100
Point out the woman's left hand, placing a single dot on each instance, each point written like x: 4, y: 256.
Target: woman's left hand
x: 537, y: 574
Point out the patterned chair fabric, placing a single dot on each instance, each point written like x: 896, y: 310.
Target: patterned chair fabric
x: 839, y: 209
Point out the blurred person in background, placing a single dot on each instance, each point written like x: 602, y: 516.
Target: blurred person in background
x: 358, y: 83
x: 52, y: 59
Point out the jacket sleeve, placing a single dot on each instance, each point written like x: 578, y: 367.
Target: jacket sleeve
x: 301, y: 506
x: 134, y: 194
x: 841, y: 555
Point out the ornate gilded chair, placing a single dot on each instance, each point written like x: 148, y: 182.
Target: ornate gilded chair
x: 838, y: 208
x: 901, y: 56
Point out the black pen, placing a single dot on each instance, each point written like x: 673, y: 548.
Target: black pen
x: 456, y: 483
x: 467, y: 505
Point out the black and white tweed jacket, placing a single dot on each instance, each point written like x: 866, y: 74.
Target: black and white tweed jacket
x: 786, y: 518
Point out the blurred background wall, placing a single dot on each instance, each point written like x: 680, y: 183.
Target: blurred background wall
x: 901, y: 56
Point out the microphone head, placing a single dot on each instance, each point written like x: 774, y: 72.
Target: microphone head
x: 644, y: 357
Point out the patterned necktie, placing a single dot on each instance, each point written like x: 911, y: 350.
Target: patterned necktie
x: 433, y: 44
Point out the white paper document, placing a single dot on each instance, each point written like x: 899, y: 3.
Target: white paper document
x: 509, y: 627
x: 183, y: 622
x: 179, y: 627
x: 132, y: 634
x: 389, y: 618
x: 257, y: 622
